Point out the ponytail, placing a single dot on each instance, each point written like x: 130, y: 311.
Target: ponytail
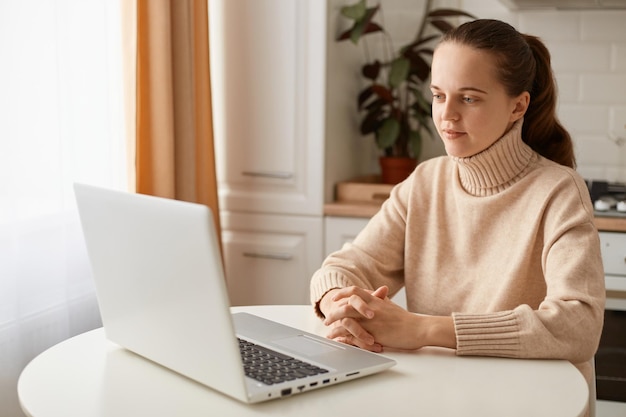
x: 523, y: 64
x: 542, y: 131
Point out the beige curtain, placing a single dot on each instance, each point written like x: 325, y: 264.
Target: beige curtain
x: 174, y: 156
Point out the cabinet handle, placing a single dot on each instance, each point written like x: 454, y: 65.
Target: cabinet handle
x: 274, y: 256
x: 269, y: 174
x: 380, y: 196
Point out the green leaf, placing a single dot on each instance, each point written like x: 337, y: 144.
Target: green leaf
x: 399, y: 71
x: 422, y: 103
x: 364, y: 25
x: 355, y: 11
x: 432, y: 134
x: 424, y: 123
x: 388, y: 133
x: 415, y: 143
x: 357, y: 31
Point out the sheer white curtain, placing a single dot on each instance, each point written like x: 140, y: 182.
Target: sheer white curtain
x: 61, y: 121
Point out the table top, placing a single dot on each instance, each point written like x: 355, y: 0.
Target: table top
x: 89, y: 376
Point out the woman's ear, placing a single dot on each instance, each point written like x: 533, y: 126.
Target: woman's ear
x: 521, y: 105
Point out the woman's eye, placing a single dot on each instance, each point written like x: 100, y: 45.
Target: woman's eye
x: 468, y: 99
x: 437, y: 96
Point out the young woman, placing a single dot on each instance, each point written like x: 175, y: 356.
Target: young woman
x: 495, y: 242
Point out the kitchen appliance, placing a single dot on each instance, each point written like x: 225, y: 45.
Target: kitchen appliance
x: 609, y: 200
x: 611, y: 355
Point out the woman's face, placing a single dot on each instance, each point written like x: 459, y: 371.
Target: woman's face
x: 471, y: 108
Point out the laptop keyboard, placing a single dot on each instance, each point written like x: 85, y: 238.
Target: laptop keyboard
x: 271, y: 367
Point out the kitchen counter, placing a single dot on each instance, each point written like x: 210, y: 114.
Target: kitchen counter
x: 363, y: 197
x: 367, y: 210
x: 611, y: 224
x: 351, y: 209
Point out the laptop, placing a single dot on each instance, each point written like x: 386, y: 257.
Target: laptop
x: 162, y: 294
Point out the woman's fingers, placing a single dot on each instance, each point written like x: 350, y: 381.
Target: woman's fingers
x: 381, y: 292
x: 349, y: 308
x: 347, y: 292
x: 349, y: 331
x: 354, y: 302
x: 350, y: 326
x: 351, y: 340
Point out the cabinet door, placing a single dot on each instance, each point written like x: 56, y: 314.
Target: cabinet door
x: 341, y: 230
x: 614, y: 259
x: 268, y: 89
x: 270, y: 259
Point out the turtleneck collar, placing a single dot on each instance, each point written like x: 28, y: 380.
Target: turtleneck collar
x: 497, y: 167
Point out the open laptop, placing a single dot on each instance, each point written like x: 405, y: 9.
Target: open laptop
x: 162, y: 294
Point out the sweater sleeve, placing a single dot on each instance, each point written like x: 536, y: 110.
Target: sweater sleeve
x: 566, y: 325
x: 374, y: 258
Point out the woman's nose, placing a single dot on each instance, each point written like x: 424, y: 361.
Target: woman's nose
x: 449, y: 111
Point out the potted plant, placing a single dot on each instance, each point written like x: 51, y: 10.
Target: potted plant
x: 394, y: 101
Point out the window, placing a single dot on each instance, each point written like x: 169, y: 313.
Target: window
x: 61, y: 121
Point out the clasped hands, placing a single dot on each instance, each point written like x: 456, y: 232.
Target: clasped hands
x: 364, y: 318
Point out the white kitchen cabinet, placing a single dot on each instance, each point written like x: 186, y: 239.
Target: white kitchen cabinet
x: 270, y: 258
x: 268, y: 72
x: 341, y: 230
x: 613, y: 246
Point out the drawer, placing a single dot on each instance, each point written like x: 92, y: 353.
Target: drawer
x: 614, y: 252
x: 270, y: 259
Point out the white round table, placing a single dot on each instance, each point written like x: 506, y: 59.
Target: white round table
x: 89, y: 376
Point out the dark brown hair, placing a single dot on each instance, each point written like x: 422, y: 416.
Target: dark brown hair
x: 523, y: 64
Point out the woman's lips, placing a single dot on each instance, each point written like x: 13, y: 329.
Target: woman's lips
x: 452, y: 134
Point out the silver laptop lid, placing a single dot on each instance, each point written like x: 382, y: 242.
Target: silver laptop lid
x: 153, y: 290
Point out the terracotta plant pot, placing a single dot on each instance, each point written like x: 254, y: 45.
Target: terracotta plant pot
x: 395, y: 169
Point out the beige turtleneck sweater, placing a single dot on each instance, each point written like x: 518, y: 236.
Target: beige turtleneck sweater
x: 503, y: 241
